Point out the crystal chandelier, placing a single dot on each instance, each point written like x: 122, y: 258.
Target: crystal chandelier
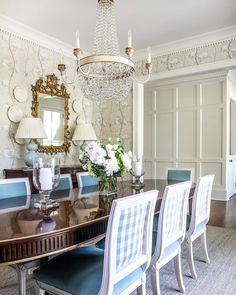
x: 106, y: 74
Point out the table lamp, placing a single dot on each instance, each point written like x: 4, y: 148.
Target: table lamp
x: 31, y: 128
x: 84, y: 132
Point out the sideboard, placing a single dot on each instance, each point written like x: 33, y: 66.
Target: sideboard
x: 28, y: 172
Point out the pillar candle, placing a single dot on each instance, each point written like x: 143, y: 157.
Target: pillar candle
x: 137, y: 168
x: 45, y: 179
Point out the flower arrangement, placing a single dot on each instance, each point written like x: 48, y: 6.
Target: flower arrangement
x: 104, y: 160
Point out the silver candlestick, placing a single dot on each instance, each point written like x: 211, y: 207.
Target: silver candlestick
x: 137, y: 184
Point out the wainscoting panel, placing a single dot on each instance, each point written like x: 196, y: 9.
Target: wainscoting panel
x: 189, y: 119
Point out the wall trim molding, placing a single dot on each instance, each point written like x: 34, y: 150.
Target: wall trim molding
x: 193, y: 56
x: 28, y: 34
x: 200, y: 40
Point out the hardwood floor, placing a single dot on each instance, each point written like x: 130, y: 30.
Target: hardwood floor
x: 223, y: 214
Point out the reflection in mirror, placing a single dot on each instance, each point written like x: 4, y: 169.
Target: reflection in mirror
x: 50, y: 103
x: 51, y: 112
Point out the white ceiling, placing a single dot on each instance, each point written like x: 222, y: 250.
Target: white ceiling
x: 153, y: 22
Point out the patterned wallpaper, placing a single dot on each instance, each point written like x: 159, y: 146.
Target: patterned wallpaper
x: 21, y: 63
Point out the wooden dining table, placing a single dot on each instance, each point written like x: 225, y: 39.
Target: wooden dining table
x: 80, y: 215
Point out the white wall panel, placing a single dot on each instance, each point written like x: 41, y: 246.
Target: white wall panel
x: 187, y: 134
x: 148, y: 135
x: 212, y: 93
x: 164, y: 133
x: 149, y: 102
x: 212, y: 136
x: 149, y: 169
x: 164, y: 99
x: 213, y: 168
x: 161, y: 169
x: 187, y: 96
x: 191, y: 121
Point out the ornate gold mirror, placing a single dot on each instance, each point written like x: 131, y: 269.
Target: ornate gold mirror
x: 51, y: 104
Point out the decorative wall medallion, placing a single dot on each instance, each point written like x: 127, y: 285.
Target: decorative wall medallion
x: 14, y: 114
x: 75, y: 106
x: 20, y: 93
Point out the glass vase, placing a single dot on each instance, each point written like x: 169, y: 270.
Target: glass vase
x: 107, y: 185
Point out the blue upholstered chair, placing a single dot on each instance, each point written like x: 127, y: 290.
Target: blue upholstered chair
x: 65, y: 182
x: 63, y: 191
x: 84, y: 179
x: 120, y: 268
x: 199, y: 217
x: 14, y: 194
x: 169, y: 232
x: 179, y: 174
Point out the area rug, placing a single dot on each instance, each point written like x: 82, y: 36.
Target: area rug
x: 217, y: 278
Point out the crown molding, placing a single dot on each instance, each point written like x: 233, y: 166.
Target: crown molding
x: 188, y: 43
x: 24, y: 32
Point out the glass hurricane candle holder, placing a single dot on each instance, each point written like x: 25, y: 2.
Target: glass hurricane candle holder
x: 46, y: 177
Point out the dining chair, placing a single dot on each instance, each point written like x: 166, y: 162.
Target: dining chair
x: 200, y: 213
x: 14, y: 194
x: 120, y: 267
x: 84, y: 179
x: 65, y: 182
x: 179, y: 174
x: 171, y: 228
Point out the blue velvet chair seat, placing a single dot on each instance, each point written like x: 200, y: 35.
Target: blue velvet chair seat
x: 79, y: 272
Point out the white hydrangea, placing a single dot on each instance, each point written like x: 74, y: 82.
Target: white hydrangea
x: 127, y: 161
x: 96, y: 154
x: 111, y: 166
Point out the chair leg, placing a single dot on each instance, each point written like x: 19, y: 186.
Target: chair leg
x: 41, y: 292
x: 21, y: 280
x: 155, y: 277
x: 190, y: 260
x: 142, y: 289
x: 178, y: 272
x: 204, y: 242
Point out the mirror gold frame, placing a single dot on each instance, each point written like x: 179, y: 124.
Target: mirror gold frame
x: 52, y: 87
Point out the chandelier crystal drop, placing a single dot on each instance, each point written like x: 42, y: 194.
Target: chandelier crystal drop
x: 105, y: 74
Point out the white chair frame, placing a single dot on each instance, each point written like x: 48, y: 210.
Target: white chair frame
x: 110, y: 275
x: 175, y: 200
x: 200, y: 215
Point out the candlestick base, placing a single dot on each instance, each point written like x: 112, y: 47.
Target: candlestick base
x: 137, y: 184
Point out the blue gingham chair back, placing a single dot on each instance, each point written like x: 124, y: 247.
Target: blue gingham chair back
x: 201, y: 201
x: 129, y: 233
x: 173, y: 214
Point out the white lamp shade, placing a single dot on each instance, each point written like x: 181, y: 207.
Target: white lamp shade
x: 30, y: 128
x: 84, y: 131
